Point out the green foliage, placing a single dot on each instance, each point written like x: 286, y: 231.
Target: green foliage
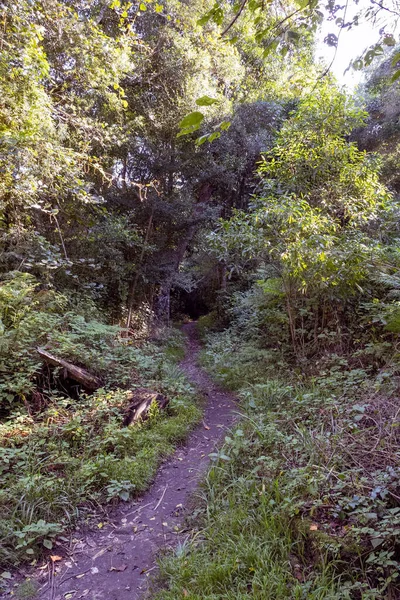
x: 33, y: 317
x: 57, y: 465
x: 381, y: 131
x: 301, y: 501
x: 315, y: 225
x: 105, y: 204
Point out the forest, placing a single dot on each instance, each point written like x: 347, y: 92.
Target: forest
x: 186, y: 180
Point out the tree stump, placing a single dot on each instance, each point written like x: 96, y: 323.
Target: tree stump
x: 140, y: 402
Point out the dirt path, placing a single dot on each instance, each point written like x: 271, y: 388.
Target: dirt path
x: 115, y: 563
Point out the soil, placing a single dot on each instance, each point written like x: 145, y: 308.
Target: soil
x: 118, y: 561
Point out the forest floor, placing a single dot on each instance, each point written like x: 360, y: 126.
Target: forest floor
x: 115, y: 561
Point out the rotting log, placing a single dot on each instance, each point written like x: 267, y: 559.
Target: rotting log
x: 140, y: 403
x: 86, y: 379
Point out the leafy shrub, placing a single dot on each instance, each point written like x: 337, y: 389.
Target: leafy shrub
x: 60, y: 457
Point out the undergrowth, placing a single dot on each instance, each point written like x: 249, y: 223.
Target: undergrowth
x: 63, y: 456
x: 303, y: 498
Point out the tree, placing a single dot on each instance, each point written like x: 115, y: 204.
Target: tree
x: 315, y: 221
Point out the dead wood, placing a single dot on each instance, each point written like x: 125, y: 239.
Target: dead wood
x: 140, y: 402
x: 86, y: 379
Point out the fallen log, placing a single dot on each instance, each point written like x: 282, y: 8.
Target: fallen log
x: 86, y: 379
x: 140, y: 403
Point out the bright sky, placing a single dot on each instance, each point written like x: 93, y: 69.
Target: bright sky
x: 351, y: 43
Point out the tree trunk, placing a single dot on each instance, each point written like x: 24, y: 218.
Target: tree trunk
x: 89, y: 381
x: 141, y: 401
x: 132, y: 290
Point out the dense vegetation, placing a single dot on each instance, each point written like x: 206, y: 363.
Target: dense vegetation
x: 165, y: 160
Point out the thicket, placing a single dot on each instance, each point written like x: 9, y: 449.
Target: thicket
x: 152, y: 167
x: 63, y: 455
x: 303, y: 500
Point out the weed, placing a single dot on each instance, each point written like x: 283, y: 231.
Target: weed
x: 302, y: 499
x: 58, y: 464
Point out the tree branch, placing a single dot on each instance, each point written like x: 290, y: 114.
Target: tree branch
x: 235, y: 18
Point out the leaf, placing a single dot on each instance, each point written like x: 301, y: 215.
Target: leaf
x: 270, y: 48
x: 395, y: 59
x: 206, y: 101
x: 188, y: 130
x: 395, y: 76
x: 214, y: 136
x: 224, y: 457
x: 191, y: 120
x: 376, y: 542
x: 48, y: 544
x: 389, y: 40
x: 124, y: 495
x: 358, y: 64
x: 331, y: 40
x: 302, y: 3
x: 202, y: 139
x: 225, y: 125
x: 204, y: 20
x: 5, y: 575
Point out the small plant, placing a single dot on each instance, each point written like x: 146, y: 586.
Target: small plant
x: 34, y: 534
x: 119, y: 489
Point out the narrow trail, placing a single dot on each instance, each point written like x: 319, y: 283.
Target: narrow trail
x: 116, y: 562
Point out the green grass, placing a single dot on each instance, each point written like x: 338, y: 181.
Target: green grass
x: 244, y: 550
x: 291, y: 507
x: 248, y: 544
x: 57, y: 467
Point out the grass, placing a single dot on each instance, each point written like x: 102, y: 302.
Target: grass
x: 66, y: 462
x: 294, y: 505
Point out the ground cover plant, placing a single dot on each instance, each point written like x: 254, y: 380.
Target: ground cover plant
x: 303, y: 498
x: 65, y: 454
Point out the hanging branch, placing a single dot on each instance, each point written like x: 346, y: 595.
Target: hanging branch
x: 53, y: 216
x: 235, y: 18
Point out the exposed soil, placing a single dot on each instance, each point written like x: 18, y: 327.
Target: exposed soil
x: 117, y: 561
